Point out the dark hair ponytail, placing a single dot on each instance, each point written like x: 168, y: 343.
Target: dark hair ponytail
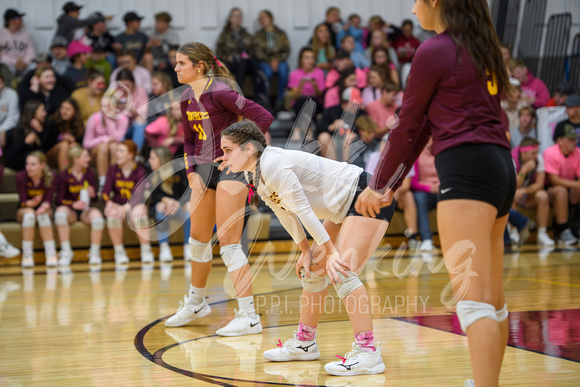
x: 242, y: 133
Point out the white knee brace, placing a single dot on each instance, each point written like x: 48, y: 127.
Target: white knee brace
x: 200, y: 252
x: 114, y: 223
x: 97, y: 224
x: 349, y: 284
x: 468, y: 312
x: 29, y: 220
x: 502, y: 314
x: 43, y: 220
x: 315, y: 283
x: 61, y: 218
x: 143, y: 222
x: 233, y: 257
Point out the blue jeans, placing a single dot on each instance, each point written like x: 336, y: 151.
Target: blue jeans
x: 163, y: 227
x: 136, y: 133
x: 424, y: 201
x: 518, y: 221
x: 282, y: 76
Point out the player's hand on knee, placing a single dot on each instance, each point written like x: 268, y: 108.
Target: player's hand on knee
x: 334, y: 265
x: 304, y: 262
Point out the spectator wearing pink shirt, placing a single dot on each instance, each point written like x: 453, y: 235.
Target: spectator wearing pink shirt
x: 105, y: 129
x: 562, y: 165
x: 425, y: 186
x: 15, y: 43
x: 137, y: 106
x: 382, y: 110
x: 342, y: 63
x: 141, y: 75
x: 307, y: 81
x: 376, y: 79
x: 534, y: 90
x: 167, y: 131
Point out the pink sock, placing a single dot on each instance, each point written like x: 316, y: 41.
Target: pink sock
x: 365, y: 341
x: 305, y: 333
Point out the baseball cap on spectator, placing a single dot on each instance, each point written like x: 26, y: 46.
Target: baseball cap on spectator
x: 70, y: 6
x: 130, y: 16
x: 97, y: 15
x: 565, y: 88
x: 75, y: 47
x: 572, y: 100
x: 352, y: 94
x: 11, y: 13
x: 566, y: 130
x: 59, y: 41
x: 42, y: 57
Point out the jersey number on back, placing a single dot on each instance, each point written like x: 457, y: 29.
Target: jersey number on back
x: 492, y: 84
x: 199, y: 129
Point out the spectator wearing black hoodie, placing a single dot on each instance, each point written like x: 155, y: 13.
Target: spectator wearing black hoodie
x: 69, y: 21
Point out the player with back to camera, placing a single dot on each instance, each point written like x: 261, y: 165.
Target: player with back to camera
x: 208, y: 107
x: 302, y: 188
x: 453, y: 94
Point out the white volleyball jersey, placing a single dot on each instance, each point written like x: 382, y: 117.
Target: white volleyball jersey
x: 302, y: 188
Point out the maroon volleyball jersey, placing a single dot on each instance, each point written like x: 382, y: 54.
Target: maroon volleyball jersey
x: 68, y: 188
x: 121, y: 188
x: 447, y: 99
x: 219, y: 107
x: 28, y: 190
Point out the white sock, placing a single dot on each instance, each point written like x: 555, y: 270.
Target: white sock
x: 102, y: 180
x: 27, y: 251
x: 95, y: 249
x: 247, y: 304
x: 164, y: 245
x: 196, y: 295
x: 50, y: 249
x: 119, y: 249
x: 145, y: 248
x: 542, y: 230
x: 65, y: 246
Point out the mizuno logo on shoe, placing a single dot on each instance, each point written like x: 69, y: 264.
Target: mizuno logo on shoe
x: 305, y: 349
x: 253, y: 325
x: 348, y: 366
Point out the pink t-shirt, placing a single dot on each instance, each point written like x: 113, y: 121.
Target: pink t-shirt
x: 307, y: 89
x: 380, y: 113
x: 557, y: 164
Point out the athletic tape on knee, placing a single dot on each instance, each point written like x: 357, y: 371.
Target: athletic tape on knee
x: 233, y: 257
x: 114, y: 223
x: 315, y: 283
x: 97, y: 224
x: 43, y: 220
x: 468, y: 312
x: 29, y: 220
x: 348, y: 285
x: 502, y: 314
x: 61, y: 218
x: 200, y: 252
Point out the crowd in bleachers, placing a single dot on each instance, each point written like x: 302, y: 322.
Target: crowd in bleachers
x: 97, y: 101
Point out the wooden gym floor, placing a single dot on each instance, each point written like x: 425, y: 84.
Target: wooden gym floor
x: 104, y: 326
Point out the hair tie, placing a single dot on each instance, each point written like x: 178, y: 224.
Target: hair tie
x: 217, y: 61
x: 251, y: 193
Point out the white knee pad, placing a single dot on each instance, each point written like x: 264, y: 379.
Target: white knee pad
x: 97, y: 224
x: 29, y: 220
x: 468, y: 312
x: 143, y: 222
x: 200, y: 252
x: 114, y: 223
x: 315, y: 283
x: 43, y: 220
x: 349, y: 284
x: 61, y: 218
x: 502, y: 314
x: 233, y: 257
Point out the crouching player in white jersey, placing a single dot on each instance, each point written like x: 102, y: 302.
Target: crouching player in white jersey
x: 302, y: 188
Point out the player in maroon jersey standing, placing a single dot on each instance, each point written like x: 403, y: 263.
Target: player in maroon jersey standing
x: 453, y: 94
x: 208, y: 107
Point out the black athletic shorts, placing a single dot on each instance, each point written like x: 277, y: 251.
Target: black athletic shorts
x: 386, y: 213
x: 483, y: 172
x: 211, y: 175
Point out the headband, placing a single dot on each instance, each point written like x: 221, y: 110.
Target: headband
x: 529, y: 148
